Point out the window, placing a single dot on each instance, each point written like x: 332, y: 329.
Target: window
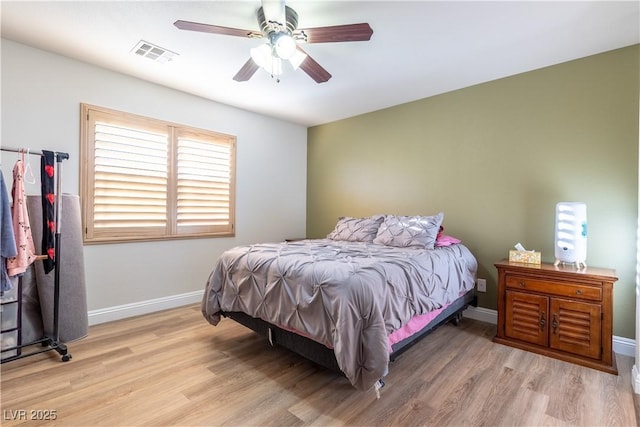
x: 145, y: 179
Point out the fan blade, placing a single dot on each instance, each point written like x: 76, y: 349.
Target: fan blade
x: 313, y: 69
x: 247, y: 71
x: 215, y: 29
x: 337, y: 33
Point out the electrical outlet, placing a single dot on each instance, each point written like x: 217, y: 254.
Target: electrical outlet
x: 482, y: 285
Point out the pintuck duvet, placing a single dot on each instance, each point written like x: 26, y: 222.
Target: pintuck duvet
x: 348, y: 296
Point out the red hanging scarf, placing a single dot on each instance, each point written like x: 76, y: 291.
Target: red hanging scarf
x: 48, y: 208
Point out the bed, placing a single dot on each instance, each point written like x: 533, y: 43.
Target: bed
x: 352, y: 301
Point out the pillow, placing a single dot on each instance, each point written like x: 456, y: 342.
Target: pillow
x: 444, y: 240
x: 356, y: 229
x: 409, y: 231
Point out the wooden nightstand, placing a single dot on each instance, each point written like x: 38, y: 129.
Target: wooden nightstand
x: 559, y: 312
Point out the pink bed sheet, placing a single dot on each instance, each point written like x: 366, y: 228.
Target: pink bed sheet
x: 414, y: 325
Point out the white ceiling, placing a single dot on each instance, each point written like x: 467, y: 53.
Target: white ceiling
x: 418, y: 48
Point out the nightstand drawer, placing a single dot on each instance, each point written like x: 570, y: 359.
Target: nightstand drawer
x: 590, y: 293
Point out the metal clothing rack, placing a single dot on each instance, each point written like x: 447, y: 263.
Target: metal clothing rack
x: 47, y: 343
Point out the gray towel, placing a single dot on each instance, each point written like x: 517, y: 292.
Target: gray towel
x: 73, y: 322
x: 31, y: 314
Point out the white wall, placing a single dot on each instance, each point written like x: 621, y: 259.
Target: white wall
x: 41, y: 95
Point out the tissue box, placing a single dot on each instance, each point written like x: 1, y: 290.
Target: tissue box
x: 525, y: 257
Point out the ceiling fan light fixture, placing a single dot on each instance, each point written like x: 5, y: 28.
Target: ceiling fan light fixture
x: 285, y: 46
x: 261, y: 55
x: 264, y: 58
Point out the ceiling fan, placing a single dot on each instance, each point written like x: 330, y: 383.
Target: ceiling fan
x: 279, y: 26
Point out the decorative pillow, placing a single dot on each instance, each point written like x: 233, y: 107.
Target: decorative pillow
x: 405, y: 231
x: 356, y: 229
x: 444, y: 240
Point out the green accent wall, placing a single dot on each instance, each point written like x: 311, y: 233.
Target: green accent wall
x: 496, y: 158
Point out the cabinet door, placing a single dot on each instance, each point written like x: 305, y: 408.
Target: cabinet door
x: 575, y: 327
x: 526, y: 317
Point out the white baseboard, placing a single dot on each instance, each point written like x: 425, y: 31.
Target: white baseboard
x: 621, y: 345
x: 482, y: 314
x: 626, y: 346
x: 143, y: 307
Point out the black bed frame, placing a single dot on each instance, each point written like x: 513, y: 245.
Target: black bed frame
x: 323, y: 355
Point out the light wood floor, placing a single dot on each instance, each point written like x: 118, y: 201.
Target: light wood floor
x: 173, y: 368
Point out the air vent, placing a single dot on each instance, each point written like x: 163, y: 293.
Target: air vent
x: 153, y: 52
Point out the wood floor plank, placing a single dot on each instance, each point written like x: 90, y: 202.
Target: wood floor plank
x: 525, y: 408
x: 173, y: 368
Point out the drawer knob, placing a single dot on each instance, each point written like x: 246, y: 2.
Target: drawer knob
x: 579, y: 292
x: 542, y: 321
x: 521, y: 284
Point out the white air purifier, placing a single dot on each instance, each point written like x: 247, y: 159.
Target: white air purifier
x: 571, y: 234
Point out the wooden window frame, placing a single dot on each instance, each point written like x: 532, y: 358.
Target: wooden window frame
x: 95, y: 235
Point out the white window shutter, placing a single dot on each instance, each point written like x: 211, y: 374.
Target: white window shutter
x: 204, y: 180
x: 130, y: 186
